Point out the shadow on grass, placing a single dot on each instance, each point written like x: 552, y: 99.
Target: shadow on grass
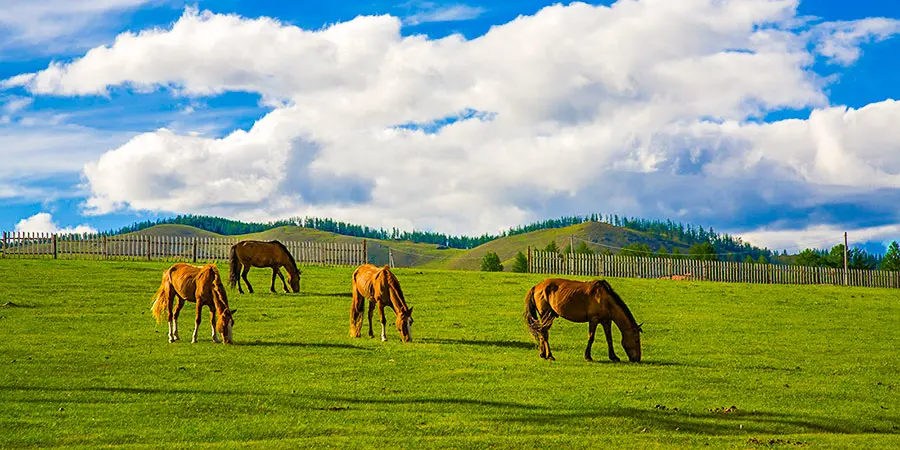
x: 326, y: 294
x: 430, y: 400
x: 507, y: 344
x: 120, y: 390
x: 709, y: 423
x: 304, y: 344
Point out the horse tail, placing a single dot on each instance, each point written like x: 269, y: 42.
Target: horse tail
x: 234, y: 267
x: 161, y: 301
x: 532, y: 320
x: 356, y: 308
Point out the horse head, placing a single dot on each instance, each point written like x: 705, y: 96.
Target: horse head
x: 404, y: 324
x: 294, y: 280
x: 631, y: 342
x: 225, y: 325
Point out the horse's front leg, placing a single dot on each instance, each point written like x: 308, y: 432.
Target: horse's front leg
x: 381, y: 311
x: 272, y: 287
x: 283, y: 283
x: 592, y: 328
x: 212, y: 324
x: 607, y: 330
x: 371, y: 311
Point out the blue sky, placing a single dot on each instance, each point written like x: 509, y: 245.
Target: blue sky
x: 569, y: 109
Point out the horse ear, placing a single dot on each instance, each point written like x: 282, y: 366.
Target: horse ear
x: 410, y: 310
x: 233, y: 311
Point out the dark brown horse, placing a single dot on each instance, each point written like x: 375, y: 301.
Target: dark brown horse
x: 273, y: 254
x: 201, y: 285
x: 590, y: 301
x: 382, y: 288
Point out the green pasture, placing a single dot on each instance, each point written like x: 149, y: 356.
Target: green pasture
x: 83, y: 364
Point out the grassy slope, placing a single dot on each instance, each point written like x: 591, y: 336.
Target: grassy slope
x: 82, y: 364
x: 601, y: 233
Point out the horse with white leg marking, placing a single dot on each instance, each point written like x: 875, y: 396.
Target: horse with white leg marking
x: 200, y: 285
x: 382, y: 288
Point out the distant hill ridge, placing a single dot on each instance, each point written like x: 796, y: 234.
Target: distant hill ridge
x: 654, y: 233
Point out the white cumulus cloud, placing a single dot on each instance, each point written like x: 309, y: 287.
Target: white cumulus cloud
x: 644, y: 107
x: 43, y: 223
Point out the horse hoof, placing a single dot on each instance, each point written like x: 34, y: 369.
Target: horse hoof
x: 588, y: 359
x: 551, y: 358
x: 614, y: 358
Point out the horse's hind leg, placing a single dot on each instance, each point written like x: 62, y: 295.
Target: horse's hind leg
x: 371, y: 311
x: 356, y: 313
x: 607, y: 330
x: 244, y: 273
x: 592, y: 328
x: 175, y: 320
x: 545, y: 342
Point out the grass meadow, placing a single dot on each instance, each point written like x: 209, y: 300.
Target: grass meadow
x: 83, y: 364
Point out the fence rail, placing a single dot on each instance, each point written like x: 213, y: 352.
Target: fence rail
x: 690, y: 269
x: 163, y: 248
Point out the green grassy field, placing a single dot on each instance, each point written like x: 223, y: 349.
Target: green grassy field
x: 83, y: 364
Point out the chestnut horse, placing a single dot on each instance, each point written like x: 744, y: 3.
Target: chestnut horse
x: 382, y: 288
x: 590, y: 301
x: 200, y: 285
x: 272, y: 254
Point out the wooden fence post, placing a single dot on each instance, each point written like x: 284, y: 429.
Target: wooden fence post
x: 530, y: 267
x: 55, y: 248
x: 4, y: 245
x: 194, y: 248
x: 148, y: 248
x: 365, y: 252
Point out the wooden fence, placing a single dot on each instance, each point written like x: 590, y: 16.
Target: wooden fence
x: 163, y: 248
x: 690, y: 269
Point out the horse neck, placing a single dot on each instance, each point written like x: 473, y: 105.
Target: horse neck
x: 397, y: 300
x: 288, y: 264
x: 219, y: 300
x: 617, y: 314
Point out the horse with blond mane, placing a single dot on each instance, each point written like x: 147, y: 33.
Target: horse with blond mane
x: 589, y: 301
x: 200, y: 285
x: 381, y: 287
x: 272, y: 254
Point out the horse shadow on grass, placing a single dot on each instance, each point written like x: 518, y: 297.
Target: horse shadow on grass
x: 326, y: 294
x: 506, y: 344
x: 305, y: 344
x: 709, y: 423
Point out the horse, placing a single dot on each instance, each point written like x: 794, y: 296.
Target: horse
x: 589, y: 301
x: 200, y: 285
x: 382, y: 288
x: 272, y: 254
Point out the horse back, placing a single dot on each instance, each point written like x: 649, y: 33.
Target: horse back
x: 364, y: 279
x: 258, y: 253
x: 193, y: 283
x: 576, y: 301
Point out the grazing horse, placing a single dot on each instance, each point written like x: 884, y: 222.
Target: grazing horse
x: 590, y: 301
x: 201, y: 285
x: 272, y: 254
x: 382, y: 288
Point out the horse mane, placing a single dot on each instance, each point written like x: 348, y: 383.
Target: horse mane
x: 394, y: 283
x: 290, y: 256
x: 618, y: 301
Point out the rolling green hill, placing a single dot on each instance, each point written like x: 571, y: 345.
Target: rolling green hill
x: 597, y: 235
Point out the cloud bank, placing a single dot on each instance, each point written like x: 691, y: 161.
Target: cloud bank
x: 649, y: 108
x: 43, y: 223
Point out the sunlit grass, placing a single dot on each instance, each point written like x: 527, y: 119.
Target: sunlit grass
x: 82, y: 363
